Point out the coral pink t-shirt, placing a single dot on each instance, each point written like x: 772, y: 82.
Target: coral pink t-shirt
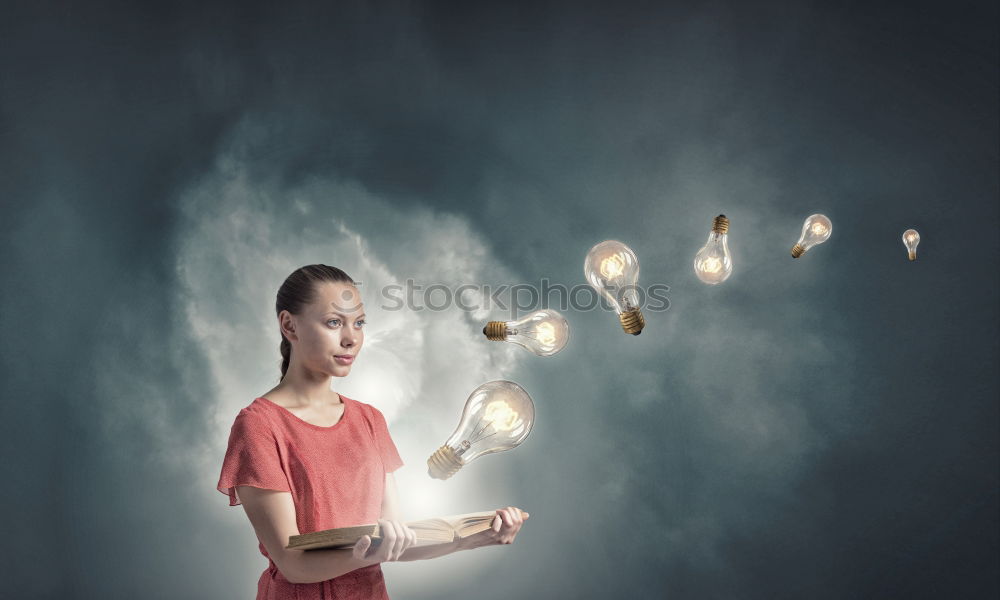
x: 336, y: 476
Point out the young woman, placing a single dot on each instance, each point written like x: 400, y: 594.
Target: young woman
x: 303, y: 458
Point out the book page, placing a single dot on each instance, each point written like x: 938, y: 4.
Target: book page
x: 470, y: 523
x: 432, y: 530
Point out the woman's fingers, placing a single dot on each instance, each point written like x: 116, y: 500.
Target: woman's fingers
x: 388, y: 539
x: 411, y: 536
x: 407, y: 538
x: 401, y: 539
x: 396, y: 538
x: 504, y: 517
x: 361, y: 546
x: 513, y: 523
x: 516, y: 514
x: 506, y: 524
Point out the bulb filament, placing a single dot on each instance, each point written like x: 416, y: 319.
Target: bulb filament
x: 612, y: 266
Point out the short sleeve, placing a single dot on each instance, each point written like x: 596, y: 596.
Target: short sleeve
x: 251, y: 458
x: 386, y: 447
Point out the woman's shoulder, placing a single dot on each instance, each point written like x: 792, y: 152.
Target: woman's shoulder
x: 257, y: 413
x: 368, y: 411
x: 257, y: 407
x: 362, y: 407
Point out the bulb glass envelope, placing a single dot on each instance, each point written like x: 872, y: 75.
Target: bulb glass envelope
x: 815, y: 230
x: 612, y: 269
x: 497, y: 416
x: 714, y: 264
x: 543, y: 332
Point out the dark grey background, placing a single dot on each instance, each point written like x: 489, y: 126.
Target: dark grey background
x: 825, y: 427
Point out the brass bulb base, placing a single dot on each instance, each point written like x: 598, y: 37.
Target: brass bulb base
x: 443, y: 463
x: 632, y: 321
x: 913, y: 254
x: 496, y: 331
x: 797, y: 251
x: 720, y: 224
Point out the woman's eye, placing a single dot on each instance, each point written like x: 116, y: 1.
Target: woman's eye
x: 360, y: 322
x: 337, y: 321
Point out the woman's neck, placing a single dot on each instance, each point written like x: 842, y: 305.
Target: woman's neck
x: 297, y: 393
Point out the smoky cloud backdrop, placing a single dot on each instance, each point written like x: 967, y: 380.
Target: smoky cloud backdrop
x: 821, y: 427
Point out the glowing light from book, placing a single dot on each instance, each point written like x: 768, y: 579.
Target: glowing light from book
x: 543, y: 332
x: 497, y: 416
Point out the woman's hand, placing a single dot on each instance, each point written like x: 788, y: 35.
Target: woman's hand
x: 504, y: 528
x: 506, y: 524
x: 396, y: 537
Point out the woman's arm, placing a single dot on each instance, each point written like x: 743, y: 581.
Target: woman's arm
x: 505, y: 527
x: 272, y: 514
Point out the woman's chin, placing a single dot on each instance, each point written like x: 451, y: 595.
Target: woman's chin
x: 341, y: 370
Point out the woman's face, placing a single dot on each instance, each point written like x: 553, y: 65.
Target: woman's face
x: 330, y: 331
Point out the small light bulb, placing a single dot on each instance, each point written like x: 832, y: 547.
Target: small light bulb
x: 713, y: 264
x: 497, y: 416
x: 612, y: 269
x: 910, y: 239
x: 543, y: 332
x: 815, y: 230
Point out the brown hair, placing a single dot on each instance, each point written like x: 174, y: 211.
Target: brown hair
x: 298, y: 290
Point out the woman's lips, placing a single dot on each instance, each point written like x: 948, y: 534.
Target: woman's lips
x: 344, y: 359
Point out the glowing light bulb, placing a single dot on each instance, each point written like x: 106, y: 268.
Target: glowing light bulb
x: 498, y: 416
x: 612, y: 269
x: 713, y: 264
x: 815, y: 230
x: 910, y: 239
x: 543, y: 332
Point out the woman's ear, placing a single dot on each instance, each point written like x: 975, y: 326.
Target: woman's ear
x: 286, y: 322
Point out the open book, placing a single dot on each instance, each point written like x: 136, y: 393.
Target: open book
x: 429, y: 531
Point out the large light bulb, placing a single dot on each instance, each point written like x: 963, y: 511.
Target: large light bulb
x: 544, y: 332
x: 498, y: 416
x: 815, y: 230
x: 713, y: 264
x: 910, y: 239
x: 612, y: 269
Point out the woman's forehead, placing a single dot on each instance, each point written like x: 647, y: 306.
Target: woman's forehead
x: 341, y: 298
